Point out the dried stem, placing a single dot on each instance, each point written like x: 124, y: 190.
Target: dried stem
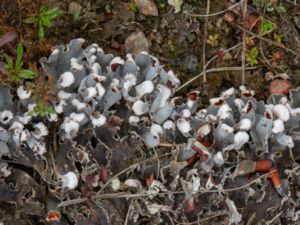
x: 99, y: 196
x: 244, y: 43
x: 207, y: 64
x: 204, y: 219
x: 130, y: 168
x: 128, y: 212
x: 204, y: 42
x: 213, y: 14
x: 268, y: 41
x: 215, y: 70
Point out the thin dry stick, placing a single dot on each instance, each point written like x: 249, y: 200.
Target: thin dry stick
x: 125, y: 195
x: 71, y: 202
x: 215, y: 70
x: 204, y: 42
x: 128, y: 211
x: 269, y: 41
x: 80, y: 200
x: 158, y: 163
x: 265, y: 60
x: 213, y: 14
x: 208, y: 63
x: 204, y: 219
x: 130, y: 168
x: 244, y: 43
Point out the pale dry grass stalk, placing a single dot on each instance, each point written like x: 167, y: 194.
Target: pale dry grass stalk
x: 204, y: 42
x: 244, y: 43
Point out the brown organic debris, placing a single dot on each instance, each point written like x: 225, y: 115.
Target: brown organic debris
x: 279, y: 86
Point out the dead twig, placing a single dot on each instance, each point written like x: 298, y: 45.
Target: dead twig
x: 209, y: 62
x: 215, y: 70
x: 244, y: 43
x: 202, y: 191
x: 204, y: 219
x: 213, y: 14
x: 128, y: 212
x: 129, y: 168
x: 99, y: 196
x: 268, y: 41
x: 204, y: 42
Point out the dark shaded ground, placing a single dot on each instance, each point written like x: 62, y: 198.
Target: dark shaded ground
x: 177, y: 39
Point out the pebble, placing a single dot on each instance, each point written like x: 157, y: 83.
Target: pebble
x: 147, y: 7
x: 136, y: 42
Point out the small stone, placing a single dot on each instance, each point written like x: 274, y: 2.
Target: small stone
x: 136, y: 42
x: 74, y: 9
x: 147, y: 7
x: 176, y: 4
x: 228, y: 17
x: 280, y: 87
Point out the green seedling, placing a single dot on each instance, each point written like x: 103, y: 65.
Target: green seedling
x: 15, y: 69
x: 133, y: 6
x: 278, y: 38
x: 252, y: 56
x: 44, y: 19
x: 267, y: 27
x: 41, y: 108
x: 213, y: 40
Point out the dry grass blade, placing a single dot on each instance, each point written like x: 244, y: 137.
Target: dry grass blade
x: 204, y: 42
x: 204, y: 219
x: 269, y: 41
x: 215, y: 70
x: 214, y: 14
x: 130, y: 168
x: 244, y: 44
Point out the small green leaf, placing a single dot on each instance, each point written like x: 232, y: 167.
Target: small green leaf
x: 31, y: 19
x: 267, y: 27
x: 41, y: 33
x: 53, y: 13
x: 45, y: 21
x: 43, y: 9
x: 27, y: 74
x: 9, y: 62
x: 133, y: 6
x: 252, y: 56
x: 30, y: 113
x: 50, y: 110
x: 20, y: 52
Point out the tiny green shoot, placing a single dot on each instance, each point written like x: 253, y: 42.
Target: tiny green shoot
x: 252, y: 56
x: 15, y: 69
x: 213, y: 40
x: 133, y: 6
x: 44, y: 19
x: 267, y: 26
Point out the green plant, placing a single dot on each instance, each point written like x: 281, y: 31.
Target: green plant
x: 278, y: 38
x: 267, y: 27
x: 133, y: 6
x: 44, y: 19
x: 213, y: 40
x: 15, y: 69
x: 252, y: 56
x: 42, y: 95
x: 41, y: 108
